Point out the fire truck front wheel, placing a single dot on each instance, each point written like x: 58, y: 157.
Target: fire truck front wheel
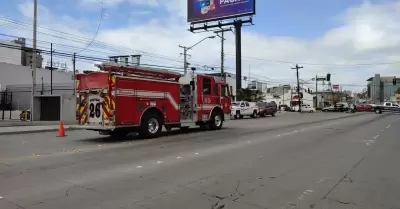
x: 151, y: 125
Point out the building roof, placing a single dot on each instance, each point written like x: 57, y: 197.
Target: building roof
x: 382, y: 78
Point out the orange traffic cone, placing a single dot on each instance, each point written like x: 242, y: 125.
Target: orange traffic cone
x: 61, y: 131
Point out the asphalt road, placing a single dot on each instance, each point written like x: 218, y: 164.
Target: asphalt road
x: 321, y: 160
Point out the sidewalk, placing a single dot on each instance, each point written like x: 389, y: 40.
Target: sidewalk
x: 9, y: 130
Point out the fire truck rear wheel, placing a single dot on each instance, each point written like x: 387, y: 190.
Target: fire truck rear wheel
x: 216, y: 120
x: 151, y: 125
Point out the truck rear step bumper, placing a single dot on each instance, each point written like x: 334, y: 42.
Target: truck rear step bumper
x: 96, y: 127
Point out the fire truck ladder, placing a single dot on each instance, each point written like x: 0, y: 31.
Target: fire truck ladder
x: 154, y: 73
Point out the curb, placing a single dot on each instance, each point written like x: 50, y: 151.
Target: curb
x: 36, y: 131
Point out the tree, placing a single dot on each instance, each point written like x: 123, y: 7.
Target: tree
x: 250, y: 95
x: 363, y: 94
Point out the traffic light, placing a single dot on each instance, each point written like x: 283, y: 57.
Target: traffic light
x: 328, y: 77
x: 394, y: 81
x: 308, y: 90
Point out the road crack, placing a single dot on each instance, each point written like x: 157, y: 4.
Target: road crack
x: 341, y: 202
x: 13, y: 203
x: 345, y: 177
x: 79, y: 186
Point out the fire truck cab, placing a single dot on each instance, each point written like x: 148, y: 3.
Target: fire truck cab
x: 118, y: 100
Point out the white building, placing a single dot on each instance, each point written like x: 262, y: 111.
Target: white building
x: 287, y: 95
x: 261, y: 86
x: 17, y: 81
x: 11, y: 54
x: 15, y: 52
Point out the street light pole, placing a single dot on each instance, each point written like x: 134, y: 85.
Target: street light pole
x: 185, y: 49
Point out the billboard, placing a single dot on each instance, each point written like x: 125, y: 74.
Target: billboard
x: 206, y: 10
x: 335, y: 86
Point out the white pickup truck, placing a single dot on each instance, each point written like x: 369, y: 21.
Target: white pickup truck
x: 240, y: 109
x: 386, y: 107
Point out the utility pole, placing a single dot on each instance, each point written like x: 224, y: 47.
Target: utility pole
x: 34, y: 55
x: 249, y: 78
x: 222, y: 56
x: 222, y: 51
x: 51, y: 68
x: 185, y: 63
x: 298, y: 84
x: 316, y: 91
x: 42, y: 87
x: 73, y: 67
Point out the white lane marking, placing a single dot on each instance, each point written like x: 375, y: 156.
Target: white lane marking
x: 196, y: 153
x: 248, y: 141
x: 179, y: 157
x: 139, y: 166
x: 1, y: 197
x: 322, y: 180
x: 159, y: 162
x: 398, y: 118
x: 388, y: 126
x: 382, y: 130
x: 375, y: 137
x: 305, y: 193
x: 279, y: 135
x: 369, y: 142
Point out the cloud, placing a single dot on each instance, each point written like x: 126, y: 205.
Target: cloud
x: 367, y: 34
x: 151, y: 3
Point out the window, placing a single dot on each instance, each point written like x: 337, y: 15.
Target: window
x: 224, y: 91
x: 247, y: 104
x: 216, y: 89
x: 231, y: 90
x: 207, y: 86
x: 261, y: 104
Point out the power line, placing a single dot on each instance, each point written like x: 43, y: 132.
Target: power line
x: 319, y: 64
x: 98, y: 28
x: 84, y: 40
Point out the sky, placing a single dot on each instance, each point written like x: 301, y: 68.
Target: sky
x: 351, y: 39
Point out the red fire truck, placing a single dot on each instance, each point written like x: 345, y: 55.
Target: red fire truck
x: 118, y: 100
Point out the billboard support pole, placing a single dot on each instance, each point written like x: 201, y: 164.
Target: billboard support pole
x: 238, y: 43
x: 238, y: 39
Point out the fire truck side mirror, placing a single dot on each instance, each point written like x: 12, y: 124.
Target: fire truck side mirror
x: 192, y: 84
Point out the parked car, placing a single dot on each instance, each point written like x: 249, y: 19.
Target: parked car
x: 307, y: 108
x: 338, y: 107
x: 242, y: 108
x: 304, y: 108
x: 342, y: 107
x: 328, y: 109
x: 267, y: 108
x: 285, y: 108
